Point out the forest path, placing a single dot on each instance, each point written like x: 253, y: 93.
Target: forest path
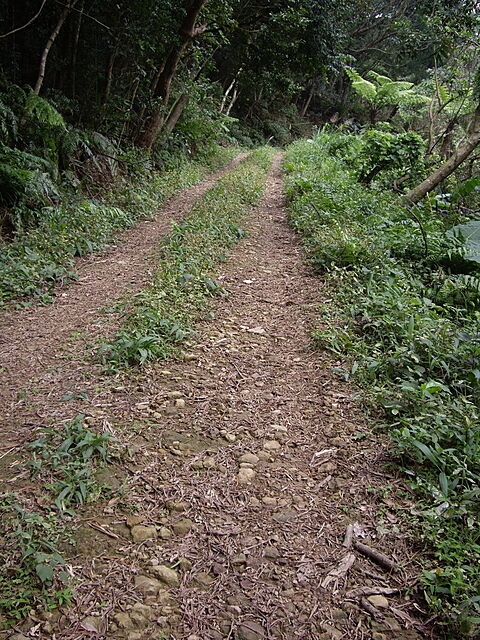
x: 247, y: 460
x: 36, y: 344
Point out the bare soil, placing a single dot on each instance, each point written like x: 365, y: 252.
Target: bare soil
x: 241, y: 468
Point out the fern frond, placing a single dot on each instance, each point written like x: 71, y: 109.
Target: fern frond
x: 43, y: 111
x: 364, y: 88
x: 8, y: 124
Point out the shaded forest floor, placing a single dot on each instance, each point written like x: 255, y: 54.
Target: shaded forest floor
x: 242, y: 463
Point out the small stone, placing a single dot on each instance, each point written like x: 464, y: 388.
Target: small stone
x: 218, y: 569
x: 141, y: 406
x: 230, y: 437
x: 203, y: 580
x: 177, y: 506
x: 182, y: 527
x: 327, y: 467
x: 135, y: 635
x: 272, y: 553
x: 140, y: 533
x: 140, y: 614
x: 147, y: 586
x: 279, y: 428
x: 164, y: 533
x: 250, y: 631
x: 272, y: 445
x: 264, y: 455
x: 165, y: 372
x: 209, y: 462
x: 175, y: 395
x: 123, y: 620
x: 254, y: 502
x: 286, y: 516
x: 245, y: 475
x: 270, y: 502
x: 197, y: 465
x: 240, y: 558
x: 184, y: 564
x: 18, y: 636
x: 92, y: 623
x: 249, y: 458
x: 376, y: 635
x: 166, y: 575
x: 180, y: 403
x: 338, y: 442
x: 378, y: 601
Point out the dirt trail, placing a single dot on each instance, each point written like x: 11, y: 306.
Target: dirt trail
x: 37, y: 343
x: 247, y: 461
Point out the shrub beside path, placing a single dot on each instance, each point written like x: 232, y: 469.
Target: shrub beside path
x: 245, y: 464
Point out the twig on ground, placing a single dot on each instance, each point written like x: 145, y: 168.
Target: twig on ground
x: 376, y: 556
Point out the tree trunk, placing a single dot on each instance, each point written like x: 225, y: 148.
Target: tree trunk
x: 76, y: 40
x: 174, y: 115
x: 187, y: 33
x: 455, y: 160
x: 53, y: 36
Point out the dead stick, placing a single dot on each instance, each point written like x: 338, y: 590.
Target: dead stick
x: 376, y: 556
x: 373, y: 611
x: 347, y: 541
x: 371, y: 591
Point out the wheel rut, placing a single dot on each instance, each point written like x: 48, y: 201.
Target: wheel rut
x: 247, y: 461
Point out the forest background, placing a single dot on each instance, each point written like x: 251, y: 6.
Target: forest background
x: 99, y: 100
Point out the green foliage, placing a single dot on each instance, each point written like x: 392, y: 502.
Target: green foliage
x: 400, y: 154
x: 408, y: 329
x: 43, y: 255
x: 162, y: 315
x: 384, y: 91
x: 67, y: 457
x: 32, y: 571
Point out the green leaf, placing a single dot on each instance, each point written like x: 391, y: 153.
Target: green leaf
x: 44, y: 572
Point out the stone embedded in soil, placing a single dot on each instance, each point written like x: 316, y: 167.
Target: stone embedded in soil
x: 272, y: 445
x: 182, y: 527
x: 245, y: 475
x: 164, y: 533
x: 123, y: 620
x: 279, y: 428
x: 272, y: 553
x: 135, y: 635
x: 240, y: 558
x: 203, y: 580
x: 209, y: 462
x: 286, y: 516
x: 140, y: 533
x: 147, y: 586
x: 180, y: 403
x: 185, y: 564
x: 175, y: 395
x: 177, y: 506
x: 92, y: 623
x: 132, y: 521
x: 250, y: 631
x: 378, y: 601
x: 249, y: 458
x: 166, y: 575
x: 269, y: 501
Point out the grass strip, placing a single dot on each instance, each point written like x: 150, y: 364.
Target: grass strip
x: 164, y: 313
x: 39, y: 258
x: 406, y: 322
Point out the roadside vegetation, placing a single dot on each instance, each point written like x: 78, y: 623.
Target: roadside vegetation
x: 406, y: 285
x: 163, y: 315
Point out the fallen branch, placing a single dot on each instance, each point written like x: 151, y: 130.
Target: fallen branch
x: 371, y: 591
x: 340, y: 571
x: 347, y: 541
x: 376, y: 556
x: 369, y: 608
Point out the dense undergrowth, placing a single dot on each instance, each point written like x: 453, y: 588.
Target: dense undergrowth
x: 162, y: 315
x: 408, y: 326
x: 41, y: 255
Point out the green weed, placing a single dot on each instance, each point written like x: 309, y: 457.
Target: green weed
x: 32, y: 571
x: 66, y: 458
x: 408, y: 322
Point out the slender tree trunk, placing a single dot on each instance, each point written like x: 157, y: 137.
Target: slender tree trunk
x: 187, y: 32
x: 304, y: 110
x: 455, y: 160
x: 53, y: 36
x: 76, y: 40
x: 174, y: 115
